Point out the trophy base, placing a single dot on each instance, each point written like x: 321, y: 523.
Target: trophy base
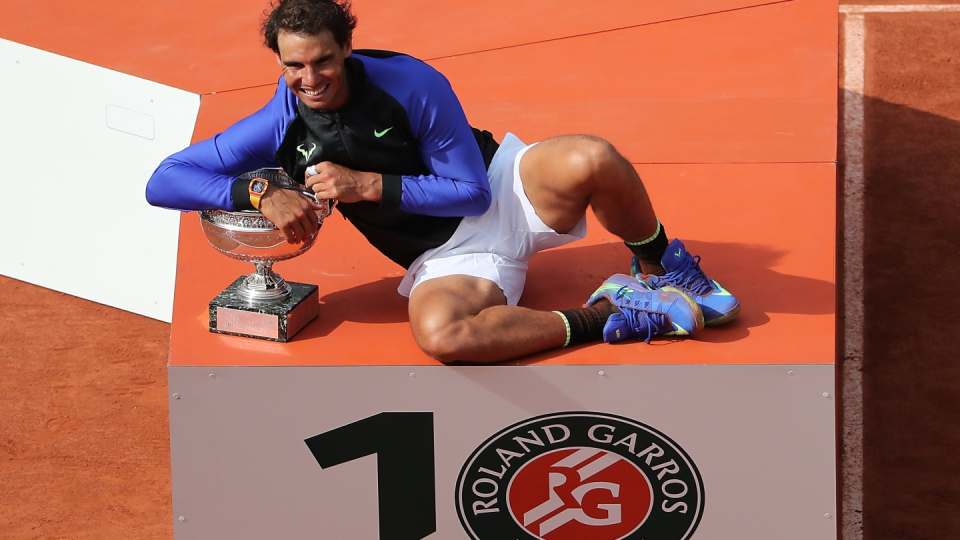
x: 231, y: 314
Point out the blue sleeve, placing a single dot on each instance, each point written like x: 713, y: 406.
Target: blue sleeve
x: 201, y: 177
x: 458, y: 185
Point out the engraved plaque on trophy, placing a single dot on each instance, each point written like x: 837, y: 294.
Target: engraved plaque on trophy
x: 261, y: 305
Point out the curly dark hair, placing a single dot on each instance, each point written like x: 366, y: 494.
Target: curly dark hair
x: 308, y: 17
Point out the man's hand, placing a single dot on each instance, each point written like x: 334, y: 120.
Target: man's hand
x: 333, y: 181
x: 294, y: 214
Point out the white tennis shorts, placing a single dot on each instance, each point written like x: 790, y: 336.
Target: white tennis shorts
x: 496, y: 245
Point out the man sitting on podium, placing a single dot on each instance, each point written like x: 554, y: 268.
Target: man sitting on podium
x: 384, y: 134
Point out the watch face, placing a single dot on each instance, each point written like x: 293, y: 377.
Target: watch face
x: 258, y: 186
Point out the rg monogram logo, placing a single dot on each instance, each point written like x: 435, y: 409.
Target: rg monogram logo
x: 591, y: 493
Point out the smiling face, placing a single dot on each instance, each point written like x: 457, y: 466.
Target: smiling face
x: 313, y: 68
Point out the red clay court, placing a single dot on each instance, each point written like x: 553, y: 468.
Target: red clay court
x: 85, y: 439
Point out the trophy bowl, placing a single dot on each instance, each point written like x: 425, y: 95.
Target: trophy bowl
x: 262, y: 304
x: 249, y: 236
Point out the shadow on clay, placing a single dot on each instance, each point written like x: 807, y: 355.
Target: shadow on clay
x: 377, y: 302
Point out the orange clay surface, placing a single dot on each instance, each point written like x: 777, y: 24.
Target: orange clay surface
x: 733, y: 133
x: 214, y: 45
x: 755, y: 86
x: 685, y: 81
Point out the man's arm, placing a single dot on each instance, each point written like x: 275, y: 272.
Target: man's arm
x: 459, y: 185
x: 203, y: 176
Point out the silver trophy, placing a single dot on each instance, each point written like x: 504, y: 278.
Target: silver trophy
x: 261, y: 304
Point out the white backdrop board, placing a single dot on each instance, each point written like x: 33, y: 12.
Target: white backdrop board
x: 703, y: 451
x: 84, y: 140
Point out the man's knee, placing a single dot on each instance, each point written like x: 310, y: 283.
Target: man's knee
x: 442, y: 313
x: 441, y: 338
x: 590, y: 159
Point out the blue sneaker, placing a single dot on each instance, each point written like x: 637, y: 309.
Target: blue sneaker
x: 645, y: 313
x: 684, y: 273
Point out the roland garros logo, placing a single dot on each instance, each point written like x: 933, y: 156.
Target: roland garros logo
x: 579, y: 475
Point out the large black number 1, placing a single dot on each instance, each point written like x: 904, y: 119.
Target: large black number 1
x: 403, y: 443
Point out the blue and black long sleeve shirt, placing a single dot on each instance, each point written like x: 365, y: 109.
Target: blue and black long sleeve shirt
x: 402, y: 119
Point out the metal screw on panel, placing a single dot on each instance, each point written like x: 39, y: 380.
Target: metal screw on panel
x: 789, y: 373
x: 181, y: 518
x: 827, y: 515
x: 412, y: 375
x: 601, y: 373
x: 176, y: 396
x: 826, y: 394
x: 213, y: 375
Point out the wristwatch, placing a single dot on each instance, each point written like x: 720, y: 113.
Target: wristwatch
x: 258, y: 186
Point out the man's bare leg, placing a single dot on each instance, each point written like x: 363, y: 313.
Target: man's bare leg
x: 466, y: 318
x: 563, y: 175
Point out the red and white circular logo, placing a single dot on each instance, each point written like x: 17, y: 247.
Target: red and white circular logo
x: 575, y: 493
x: 577, y: 475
